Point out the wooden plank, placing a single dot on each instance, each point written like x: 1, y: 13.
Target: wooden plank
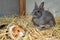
x: 22, y: 7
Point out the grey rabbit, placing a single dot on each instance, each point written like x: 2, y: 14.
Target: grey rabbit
x: 42, y: 18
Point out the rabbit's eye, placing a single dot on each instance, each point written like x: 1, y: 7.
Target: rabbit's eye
x: 38, y: 11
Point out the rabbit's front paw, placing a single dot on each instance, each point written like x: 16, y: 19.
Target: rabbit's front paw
x: 43, y: 27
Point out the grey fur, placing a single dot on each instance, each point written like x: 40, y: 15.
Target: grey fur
x: 42, y: 17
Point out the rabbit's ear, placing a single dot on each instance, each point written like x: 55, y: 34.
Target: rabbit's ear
x: 41, y: 6
x: 36, y: 6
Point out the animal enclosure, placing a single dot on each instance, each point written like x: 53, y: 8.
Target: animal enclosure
x: 19, y: 25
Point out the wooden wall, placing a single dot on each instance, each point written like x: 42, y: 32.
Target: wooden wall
x: 22, y: 7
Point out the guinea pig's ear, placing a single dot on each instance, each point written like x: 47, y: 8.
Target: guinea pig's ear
x: 36, y: 6
x: 41, y: 7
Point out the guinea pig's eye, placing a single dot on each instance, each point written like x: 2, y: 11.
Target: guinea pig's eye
x: 18, y: 30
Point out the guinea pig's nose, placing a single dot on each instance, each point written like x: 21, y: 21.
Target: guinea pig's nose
x: 22, y: 34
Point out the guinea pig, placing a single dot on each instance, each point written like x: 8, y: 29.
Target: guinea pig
x: 16, y: 31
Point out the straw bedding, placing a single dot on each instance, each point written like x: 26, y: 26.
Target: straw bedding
x: 32, y: 32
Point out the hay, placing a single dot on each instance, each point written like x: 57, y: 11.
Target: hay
x: 32, y: 33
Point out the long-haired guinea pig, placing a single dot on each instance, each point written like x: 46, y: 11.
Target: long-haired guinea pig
x: 16, y: 31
